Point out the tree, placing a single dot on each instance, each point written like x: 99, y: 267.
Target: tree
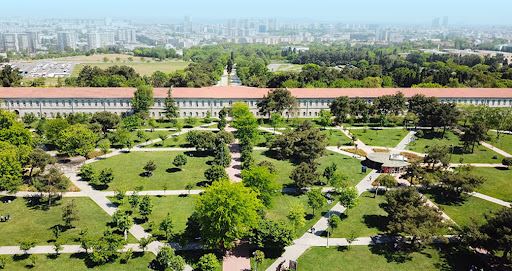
x: 227, y: 212
x: 69, y: 214
x: 27, y: 245
x: 296, y: 215
x: 166, y: 226
x: 304, y: 175
x: 333, y: 223
x: 325, y: 118
x: 85, y: 240
x: 473, y: 135
x: 189, y: 187
x: 455, y: 184
x: 10, y: 77
x: 208, y: 262
x: 179, y: 161
x: 149, y: 168
x: 262, y: 181
x: 222, y: 155
x: 340, y: 108
x: 277, y: 101
x: 276, y: 120
x: 166, y: 259
x: 123, y: 222
x: 38, y: 158
x: 10, y: 170
x: 216, y: 173
x: 51, y: 183
x: 77, y: 140
x: 87, y: 174
x: 145, y: 207
x: 142, y: 99
x: 272, y: 236
x: 57, y: 247
x: 409, y: 215
x: 106, y: 248
x: 259, y: 256
x: 348, y: 197
x: 145, y: 241
x: 306, y: 143
x: 244, y: 121
x: 107, y: 120
x: 438, y: 154
x: 202, y: 140
x: 222, y: 119
x: 493, y: 236
x: 104, y: 145
x: 105, y: 177
x: 330, y: 171
x: 315, y: 199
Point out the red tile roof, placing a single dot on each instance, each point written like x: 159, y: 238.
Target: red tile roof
x: 238, y: 92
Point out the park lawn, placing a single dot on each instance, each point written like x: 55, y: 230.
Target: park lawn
x: 180, y: 208
x: 281, y: 204
x: 127, y: 169
x: 142, y: 68
x: 99, y: 58
x: 480, y: 155
x: 504, y: 142
x: 365, y: 219
x: 284, y: 67
x: 472, y: 208
x: 336, y: 138
x: 289, y: 123
x: 377, y: 258
x: 31, y: 223
x: 347, y: 166
x: 498, y: 182
x: 384, y: 137
x: 179, y: 141
x: 77, y: 262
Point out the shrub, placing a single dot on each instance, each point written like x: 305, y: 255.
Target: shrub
x: 386, y: 180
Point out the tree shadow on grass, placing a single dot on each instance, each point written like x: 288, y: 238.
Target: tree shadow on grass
x: 173, y: 170
x: 39, y: 203
x: 378, y: 222
x: 197, y: 154
x: 393, y: 252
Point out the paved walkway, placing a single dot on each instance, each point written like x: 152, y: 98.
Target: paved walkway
x: 491, y: 199
x: 341, y: 151
x: 270, y: 130
x: 405, y: 141
x: 491, y: 147
x: 239, y: 259
x: 235, y: 168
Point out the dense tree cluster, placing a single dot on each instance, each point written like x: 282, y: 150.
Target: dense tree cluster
x: 156, y: 52
x: 115, y: 76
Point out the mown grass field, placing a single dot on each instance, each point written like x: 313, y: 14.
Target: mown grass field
x: 384, y: 137
x: 142, y: 68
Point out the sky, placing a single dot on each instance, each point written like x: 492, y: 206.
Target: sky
x: 482, y: 12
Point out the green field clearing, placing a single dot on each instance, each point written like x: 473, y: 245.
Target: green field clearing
x: 365, y: 219
x: 31, y: 223
x: 76, y: 262
x: 480, y: 155
x: 142, y: 68
x: 498, y: 182
x: 127, y: 170
x: 384, y: 137
x: 380, y: 258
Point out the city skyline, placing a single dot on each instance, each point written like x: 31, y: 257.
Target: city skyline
x: 470, y: 12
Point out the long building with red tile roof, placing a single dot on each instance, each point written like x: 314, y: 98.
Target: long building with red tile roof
x: 197, y: 101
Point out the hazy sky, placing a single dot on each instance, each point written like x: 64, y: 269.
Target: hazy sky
x: 394, y: 11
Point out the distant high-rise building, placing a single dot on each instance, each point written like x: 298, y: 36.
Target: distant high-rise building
x: 24, y: 43
x: 445, y: 21
x: 107, y: 38
x: 10, y: 42
x: 436, y: 22
x: 93, y: 40
x: 126, y: 36
x: 66, y: 40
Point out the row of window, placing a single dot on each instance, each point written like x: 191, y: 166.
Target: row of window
x: 160, y: 103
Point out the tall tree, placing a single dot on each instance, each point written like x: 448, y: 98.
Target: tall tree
x: 142, y: 99
x: 52, y: 183
x: 171, y: 109
x: 409, y: 215
x: 304, y: 175
x: 77, y: 140
x: 277, y: 101
x: 315, y: 199
x: 340, y: 108
x: 262, y: 181
x: 10, y: 77
x: 227, y: 212
x: 69, y: 214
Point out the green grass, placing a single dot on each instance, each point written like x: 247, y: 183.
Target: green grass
x: 142, y: 68
x: 127, y: 170
x: 350, y: 167
x: 498, y: 182
x: 285, y: 67
x: 480, y: 155
x: 384, y: 137
x: 365, y: 219
x: 336, y: 138
x: 380, y: 258
x: 31, y: 223
x: 76, y: 262
x: 180, y: 209
x: 281, y: 204
x: 504, y: 142
x: 172, y: 142
x: 464, y: 213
